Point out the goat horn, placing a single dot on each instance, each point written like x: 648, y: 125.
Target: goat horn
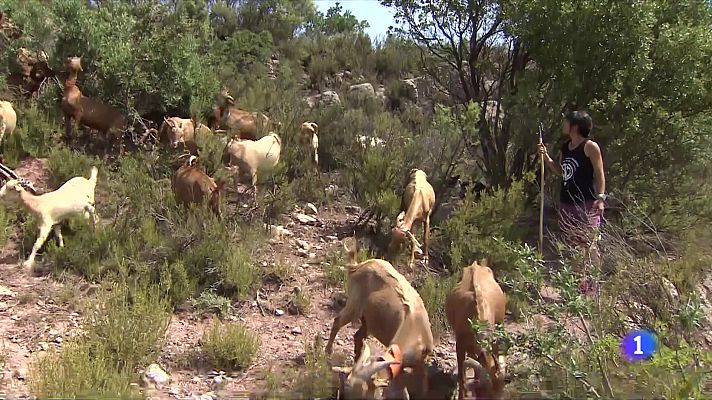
x: 368, y: 371
x: 480, y: 371
x: 412, y: 238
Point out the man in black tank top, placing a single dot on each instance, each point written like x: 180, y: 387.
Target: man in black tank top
x: 583, y: 187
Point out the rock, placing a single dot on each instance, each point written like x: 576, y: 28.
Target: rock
x: 6, y: 292
x: 312, y: 208
x: 302, y: 252
x: 278, y: 312
x: 296, y: 330
x: 312, y: 255
x: 53, y: 332
x: 278, y: 231
x: 362, y: 91
x: 411, y: 91
x: 331, y: 238
x: 305, y: 219
x: 20, y: 374
x: 156, y: 375
x: 353, y: 209
x: 43, y: 346
x: 327, y: 98
x: 303, y: 244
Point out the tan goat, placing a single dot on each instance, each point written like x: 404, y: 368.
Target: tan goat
x: 8, y: 119
x: 176, y: 131
x: 310, y: 136
x: 191, y: 184
x: 253, y: 156
x: 393, y: 312
x: 85, y: 111
x: 416, y: 205
x: 76, y: 196
x: 477, y: 297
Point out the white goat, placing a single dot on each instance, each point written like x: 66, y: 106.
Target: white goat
x: 253, y: 156
x: 310, y: 133
x: 76, y: 196
x: 8, y: 119
x: 370, y: 141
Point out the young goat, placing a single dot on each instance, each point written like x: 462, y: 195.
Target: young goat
x: 76, y: 196
x: 416, y: 205
x: 252, y: 157
x: 83, y: 110
x: 477, y: 297
x: 192, y: 185
x: 310, y: 135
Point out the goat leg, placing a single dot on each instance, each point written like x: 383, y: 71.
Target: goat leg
x: 58, y: 234
x: 359, y: 337
x: 45, y: 229
x: 426, y: 238
x: 460, y: 350
x: 339, y: 322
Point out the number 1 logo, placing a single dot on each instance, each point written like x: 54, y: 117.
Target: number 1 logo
x: 639, y: 345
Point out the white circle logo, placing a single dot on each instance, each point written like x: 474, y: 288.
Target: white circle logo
x: 568, y: 167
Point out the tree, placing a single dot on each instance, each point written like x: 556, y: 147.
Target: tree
x: 637, y: 66
x: 336, y: 21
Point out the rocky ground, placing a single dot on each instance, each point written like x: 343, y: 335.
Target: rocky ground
x: 38, y: 313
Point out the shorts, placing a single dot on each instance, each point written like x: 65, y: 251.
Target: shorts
x: 579, y: 222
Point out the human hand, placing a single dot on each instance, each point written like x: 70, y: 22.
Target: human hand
x: 543, y: 152
x: 598, y: 206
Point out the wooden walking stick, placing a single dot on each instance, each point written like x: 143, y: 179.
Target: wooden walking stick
x: 541, y: 191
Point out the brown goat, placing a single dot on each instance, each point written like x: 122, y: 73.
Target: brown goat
x: 416, y: 205
x: 477, y: 297
x: 191, y: 184
x: 80, y: 109
x: 393, y: 312
x: 240, y: 123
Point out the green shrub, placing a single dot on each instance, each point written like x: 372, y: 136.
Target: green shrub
x: 7, y: 225
x: 208, y: 301
x: 230, y: 346
x: 33, y: 135
x: 434, y: 291
x: 125, y: 329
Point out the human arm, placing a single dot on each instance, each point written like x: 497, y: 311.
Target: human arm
x: 554, y: 167
x: 593, y: 152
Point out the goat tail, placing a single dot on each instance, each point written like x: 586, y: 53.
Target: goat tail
x: 94, y: 175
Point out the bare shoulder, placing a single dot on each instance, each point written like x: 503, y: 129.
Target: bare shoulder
x: 591, y: 148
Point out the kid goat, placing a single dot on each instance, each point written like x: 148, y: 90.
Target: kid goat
x: 416, y: 205
x: 76, y: 196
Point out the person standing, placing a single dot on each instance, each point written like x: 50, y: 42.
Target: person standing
x: 583, y: 190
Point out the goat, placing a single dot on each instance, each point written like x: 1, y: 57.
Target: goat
x: 357, y: 382
x: 191, y: 184
x: 251, y: 157
x: 244, y: 124
x: 370, y: 141
x: 416, y: 205
x: 391, y: 310
x: 75, y: 196
x: 477, y: 297
x: 310, y: 133
x: 83, y: 110
x: 8, y: 119
x: 175, y: 131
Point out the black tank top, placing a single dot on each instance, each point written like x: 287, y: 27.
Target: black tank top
x: 577, y: 171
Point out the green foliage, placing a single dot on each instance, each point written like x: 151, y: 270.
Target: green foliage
x: 336, y: 21
x: 230, y: 346
x: 434, y: 291
x: 208, y: 301
x: 33, y: 136
x: 470, y: 233
x: 7, y: 222
x: 124, y: 330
